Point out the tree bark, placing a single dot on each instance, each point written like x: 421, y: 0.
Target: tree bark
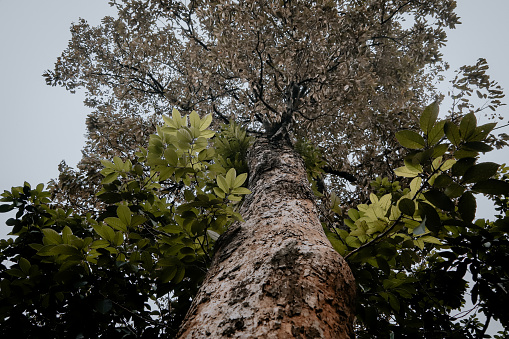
x: 275, y: 275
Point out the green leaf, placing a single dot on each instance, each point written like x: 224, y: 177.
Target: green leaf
x: 171, y: 156
x: 240, y: 190
x: 440, y: 200
x: 124, y: 213
x: 477, y: 146
x: 6, y: 208
x: 467, y: 207
x: 462, y: 165
x: 177, y: 118
x: 427, y: 211
x: 220, y: 193
x: 239, y: 180
x: 410, y: 139
x: 454, y: 190
x: 431, y: 240
x: 453, y: 133
x: 429, y: 117
x: 480, y: 172
x: 51, y: 237
x: 205, y: 122
x: 436, y: 133
x: 468, y: 125
x: 194, y: 119
x: 223, y: 183
x: 492, y: 186
x: 463, y: 153
x: 108, y: 179
x: 407, y: 172
x: 482, y: 132
x: 407, y: 206
x: 439, y: 150
x: 24, y: 264
x: 116, y: 223
x: 64, y: 249
x: 442, y: 181
x: 230, y: 178
x: 106, y: 232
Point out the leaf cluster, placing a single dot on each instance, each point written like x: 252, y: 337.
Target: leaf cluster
x: 150, y: 246
x: 410, y: 248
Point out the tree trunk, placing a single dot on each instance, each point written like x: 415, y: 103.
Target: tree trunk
x: 275, y: 275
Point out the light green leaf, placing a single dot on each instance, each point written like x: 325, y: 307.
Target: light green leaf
x: 410, y: 139
x: 230, y: 177
x: 219, y: 192
x: 194, y: 119
x: 177, y: 119
x: 407, y: 172
x: 205, y: 122
x: 239, y: 180
x: 240, y: 190
x: 222, y: 183
x: 431, y: 240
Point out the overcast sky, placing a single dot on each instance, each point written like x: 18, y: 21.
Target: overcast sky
x: 42, y: 125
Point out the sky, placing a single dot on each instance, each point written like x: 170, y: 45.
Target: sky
x: 42, y: 125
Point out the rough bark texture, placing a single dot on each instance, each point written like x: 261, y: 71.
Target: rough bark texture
x: 276, y: 275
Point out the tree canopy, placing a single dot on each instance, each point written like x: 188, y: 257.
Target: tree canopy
x: 119, y: 247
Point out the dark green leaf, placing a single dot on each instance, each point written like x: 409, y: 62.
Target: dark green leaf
x: 454, y: 190
x: 492, y: 186
x: 439, y: 150
x: 407, y: 206
x: 482, y: 132
x: 477, y: 146
x: 6, y: 208
x: 436, y: 133
x: 480, y: 172
x: 427, y: 211
x: 410, y: 139
x: 463, y: 153
x: 452, y: 132
x: 429, y: 117
x: 468, y: 125
x: 440, y: 200
x: 467, y: 207
x: 462, y: 165
x: 11, y: 222
x: 443, y: 180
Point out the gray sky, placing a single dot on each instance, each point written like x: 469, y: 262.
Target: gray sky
x: 42, y: 125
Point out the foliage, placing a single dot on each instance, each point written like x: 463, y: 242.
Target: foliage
x: 410, y: 248
x: 76, y: 276
x: 343, y: 78
x: 346, y: 75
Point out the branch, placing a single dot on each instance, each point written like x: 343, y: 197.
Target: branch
x: 345, y: 175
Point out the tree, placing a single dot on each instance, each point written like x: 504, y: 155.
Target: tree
x: 334, y: 81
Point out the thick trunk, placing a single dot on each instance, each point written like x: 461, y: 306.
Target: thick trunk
x: 275, y: 275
